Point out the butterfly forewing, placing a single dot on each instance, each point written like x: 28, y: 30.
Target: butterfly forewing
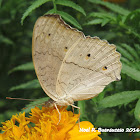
x: 52, y: 39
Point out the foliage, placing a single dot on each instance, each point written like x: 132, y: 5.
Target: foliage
x: 119, y: 104
x: 65, y: 15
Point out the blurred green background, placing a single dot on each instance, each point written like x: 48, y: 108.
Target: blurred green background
x: 117, y: 21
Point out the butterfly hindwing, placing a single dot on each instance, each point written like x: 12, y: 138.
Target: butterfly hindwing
x: 88, y: 68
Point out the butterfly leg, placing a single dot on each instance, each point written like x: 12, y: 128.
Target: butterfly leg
x: 73, y: 110
x: 73, y: 106
x: 58, y: 113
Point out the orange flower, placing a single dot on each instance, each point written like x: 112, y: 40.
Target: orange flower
x: 86, y: 132
x: 43, y: 125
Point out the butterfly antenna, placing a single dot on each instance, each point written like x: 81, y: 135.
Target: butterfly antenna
x: 25, y: 100
x: 20, y: 99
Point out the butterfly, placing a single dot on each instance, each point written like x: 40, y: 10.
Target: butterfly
x: 69, y: 65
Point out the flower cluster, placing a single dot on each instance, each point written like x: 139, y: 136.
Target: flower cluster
x: 42, y: 124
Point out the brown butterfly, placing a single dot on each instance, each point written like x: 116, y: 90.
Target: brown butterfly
x: 69, y: 65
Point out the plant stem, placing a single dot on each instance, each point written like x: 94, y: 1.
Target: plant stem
x: 54, y: 4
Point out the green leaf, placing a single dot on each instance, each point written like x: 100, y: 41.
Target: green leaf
x: 137, y: 111
x: 133, y: 18
x: 130, y: 50
x: 6, y: 40
x: 94, y: 22
x: 35, y: 5
x: 52, y: 11
x: 105, y: 21
x: 0, y: 3
x: 119, y: 99
x: 105, y: 17
x: 132, y: 72
x: 29, y: 85
x: 37, y: 102
x: 124, y: 60
x: 70, y: 19
x: 102, y: 15
x: 107, y: 119
x: 111, y: 6
x: 24, y: 67
x: 72, y: 5
x: 125, y: 53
